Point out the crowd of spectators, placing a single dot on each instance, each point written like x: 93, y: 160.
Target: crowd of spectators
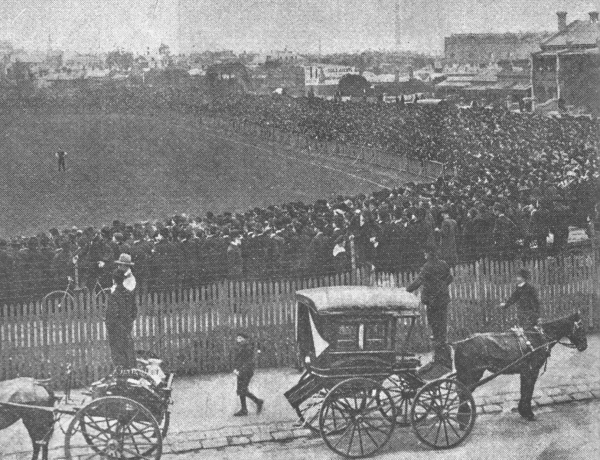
x: 521, y: 177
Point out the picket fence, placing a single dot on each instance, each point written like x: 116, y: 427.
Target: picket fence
x: 353, y: 153
x: 193, y: 329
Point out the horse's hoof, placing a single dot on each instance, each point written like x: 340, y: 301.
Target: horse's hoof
x: 529, y: 417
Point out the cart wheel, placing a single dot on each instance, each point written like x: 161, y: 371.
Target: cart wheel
x: 308, y: 411
x: 57, y: 302
x: 443, y: 413
x: 113, y: 427
x: 402, y: 393
x: 357, y: 418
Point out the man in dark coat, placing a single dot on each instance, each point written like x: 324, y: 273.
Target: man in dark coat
x: 6, y: 270
x: 244, y: 370
x: 120, y: 316
x: 504, y: 233
x: 235, y: 263
x: 165, y: 263
x: 448, y: 246
x: 435, y: 277
x: 526, y: 299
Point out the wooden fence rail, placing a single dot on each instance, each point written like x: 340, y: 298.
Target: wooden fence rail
x: 193, y: 329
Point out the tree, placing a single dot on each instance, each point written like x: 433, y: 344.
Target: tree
x: 353, y: 85
x: 119, y: 59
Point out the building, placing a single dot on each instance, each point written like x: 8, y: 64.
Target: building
x: 565, y: 73
x: 488, y: 48
x: 322, y: 80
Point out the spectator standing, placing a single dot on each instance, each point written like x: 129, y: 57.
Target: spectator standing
x: 235, y: 263
x: 448, y: 247
x: 121, y: 313
x: 61, y: 156
x: 435, y: 277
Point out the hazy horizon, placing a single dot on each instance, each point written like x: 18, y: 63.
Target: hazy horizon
x: 262, y: 25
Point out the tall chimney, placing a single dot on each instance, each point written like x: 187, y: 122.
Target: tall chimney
x: 562, y: 20
x: 397, y: 27
x: 593, y: 17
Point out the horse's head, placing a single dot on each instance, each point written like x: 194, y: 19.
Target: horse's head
x: 577, y: 335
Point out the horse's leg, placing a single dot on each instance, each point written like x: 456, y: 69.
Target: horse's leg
x: 468, y: 378
x: 528, y: 379
x: 36, y: 450
x: 40, y: 426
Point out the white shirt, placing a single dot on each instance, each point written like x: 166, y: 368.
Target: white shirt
x: 129, y: 282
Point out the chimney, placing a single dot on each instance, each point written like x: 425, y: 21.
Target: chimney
x: 562, y: 20
x: 593, y: 17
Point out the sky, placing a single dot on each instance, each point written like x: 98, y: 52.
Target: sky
x: 263, y: 25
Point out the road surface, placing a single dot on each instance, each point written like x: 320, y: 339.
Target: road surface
x: 565, y: 431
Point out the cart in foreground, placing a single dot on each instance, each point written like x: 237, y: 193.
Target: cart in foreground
x: 125, y: 415
x: 359, y: 383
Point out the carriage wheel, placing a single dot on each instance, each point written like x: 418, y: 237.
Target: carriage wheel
x: 113, y: 427
x: 308, y: 411
x: 357, y: 418
x: 402, y: 393
x: 443, y: 413
x: 57, y: 302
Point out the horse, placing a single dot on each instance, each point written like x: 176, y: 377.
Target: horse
x: 39, y: 423
x: 496, y: 352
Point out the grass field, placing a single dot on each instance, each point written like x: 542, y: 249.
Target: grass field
x: 139, y: 168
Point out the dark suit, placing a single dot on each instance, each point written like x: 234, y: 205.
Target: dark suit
x: 121, y: 312
x: 528, y: 305
x: 435, y: 277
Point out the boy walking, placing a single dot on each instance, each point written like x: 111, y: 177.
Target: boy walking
x: 244, y: 370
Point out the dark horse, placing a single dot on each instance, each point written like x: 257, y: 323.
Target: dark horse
x: 495, y: 351
x: 39, y: 423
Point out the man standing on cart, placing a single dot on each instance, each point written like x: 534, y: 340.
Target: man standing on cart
x: 434, y: 278
x: 121, y: 313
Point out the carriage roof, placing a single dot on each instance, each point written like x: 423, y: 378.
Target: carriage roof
x: 359, y: 300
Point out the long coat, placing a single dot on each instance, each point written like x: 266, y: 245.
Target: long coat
x: 528, y: 305
x: 434, y: 277
x: 448, y: 248
x: 166, y: 266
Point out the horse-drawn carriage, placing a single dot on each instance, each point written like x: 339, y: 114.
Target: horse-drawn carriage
x: 124, y: 416
x: 360, y: 381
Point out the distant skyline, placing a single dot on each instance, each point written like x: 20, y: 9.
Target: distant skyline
x: 262, y: 25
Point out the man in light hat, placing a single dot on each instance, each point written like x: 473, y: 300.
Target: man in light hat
x: 124, y: 264
x: 121, y: 313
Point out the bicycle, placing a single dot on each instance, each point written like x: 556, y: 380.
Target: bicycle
x: 64, y: 300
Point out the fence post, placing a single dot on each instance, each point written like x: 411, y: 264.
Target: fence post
x: 594, y: 314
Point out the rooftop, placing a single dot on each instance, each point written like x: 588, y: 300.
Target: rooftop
x: 579, y: 33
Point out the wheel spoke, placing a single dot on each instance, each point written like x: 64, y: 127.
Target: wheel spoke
x: 362, y: 449
x: 351, y: 439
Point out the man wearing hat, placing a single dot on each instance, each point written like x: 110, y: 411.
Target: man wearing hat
x: 121, y: 313
x: 526, y: 299
x: 434, y: 278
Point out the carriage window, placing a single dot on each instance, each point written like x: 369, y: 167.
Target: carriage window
x: 347, y: 337
x: 375, y: 336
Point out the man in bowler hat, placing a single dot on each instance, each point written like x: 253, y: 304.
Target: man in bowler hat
x: 526, y: 299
